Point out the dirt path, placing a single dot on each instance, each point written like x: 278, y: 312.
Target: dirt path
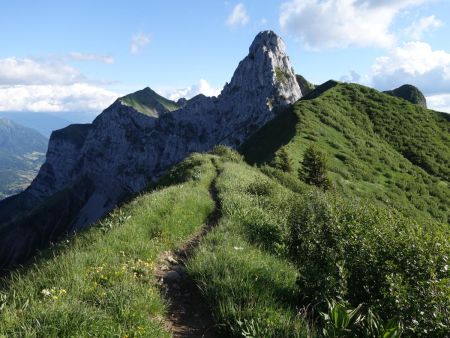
x: 188, y: 313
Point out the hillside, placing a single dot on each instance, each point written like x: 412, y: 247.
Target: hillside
x: 378, y: 146
x: 255, y: 268
x: 149, y: 102
x: 21, y: 154
x: 409, y: 93
x: 44, y: 123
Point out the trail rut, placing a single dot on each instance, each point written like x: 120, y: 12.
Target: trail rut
x: 188, y: 312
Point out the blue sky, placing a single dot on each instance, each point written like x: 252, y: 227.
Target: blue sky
x: 62, y: 57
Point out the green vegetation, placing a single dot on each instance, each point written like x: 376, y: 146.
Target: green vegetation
x: 409, y: 93
x: 368, y: 258
x: 282, y: 160
x: 379, y: 147
x: 149, y: 102
x: 280, y: 75
x: 100, y: 282
x: 305, y: 86
x: 22, y: 152
x: 313, y: 168
x: 250, y: 288
x: 279, y: 257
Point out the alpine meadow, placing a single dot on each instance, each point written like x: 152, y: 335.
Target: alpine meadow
x: 274, y: 207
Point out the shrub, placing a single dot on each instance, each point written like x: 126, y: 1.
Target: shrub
x: 362, y: 253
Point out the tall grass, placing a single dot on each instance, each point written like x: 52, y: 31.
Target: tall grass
x: 100, y: 283
x: 251, y: 289
x: 277, y: 252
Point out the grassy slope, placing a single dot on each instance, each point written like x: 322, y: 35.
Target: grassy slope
x: 409, y: 93
x: 368, y: 136
x: 146, y: 100
x: 249, y: 267
x: 250, y: 289
x: 100, y: 283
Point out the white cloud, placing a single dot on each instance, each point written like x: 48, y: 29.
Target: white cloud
x: 440, y: 102
x: 78, y: 97
x: 342, y: 23
x: 415, y: 63
x: 202, y: 87
x: 31, y: 85
x: 238, y: 16
x: 14, y: 71
x: 416, y: 30
x: 91, y: 57
x: 138, y: 41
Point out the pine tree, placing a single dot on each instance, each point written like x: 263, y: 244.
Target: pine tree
x: 313, y: 169
x: 282, y: 160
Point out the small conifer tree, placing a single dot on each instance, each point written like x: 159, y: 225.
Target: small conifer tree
x: 282, y: 160
x: 313, y: 168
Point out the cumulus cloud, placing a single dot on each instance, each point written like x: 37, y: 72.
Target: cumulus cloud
x: 138, y: 41
x: 238, y: 16
x: 440, y: 102
x: 415, y: 63
x: 39, y: 86
x: 78, y: 97
x: 91, y: 57
x: 342, y: 23
x: 14, y: 71
x: 202, y: 87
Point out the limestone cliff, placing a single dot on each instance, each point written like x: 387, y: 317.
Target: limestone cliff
x: 126, y: 147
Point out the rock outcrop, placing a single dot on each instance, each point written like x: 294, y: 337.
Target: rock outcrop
x: 130, y: 144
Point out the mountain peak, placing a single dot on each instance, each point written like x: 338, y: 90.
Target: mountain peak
x: 266, y: 72
x: 268, y: 40
x: 410, y: 93
x: 148, y: 102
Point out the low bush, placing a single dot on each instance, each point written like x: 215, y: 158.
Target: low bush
x: 362, y: 253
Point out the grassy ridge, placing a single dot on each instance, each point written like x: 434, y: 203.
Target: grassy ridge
x: 278, y: 254
x: 250, y: 289
x: 371, y: 140
x: 100, y: 283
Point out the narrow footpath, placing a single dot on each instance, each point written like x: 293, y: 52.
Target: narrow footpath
x: 188, y: 312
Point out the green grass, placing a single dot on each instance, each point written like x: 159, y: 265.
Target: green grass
x: 280, y: 250
x: 305, y: 86
x: 378, y: 240
x: 278, y: 254
x: 100, y: 282
x: 379, y: 147
x: 147, y: 101
x: 409, y: 93
x: 250, y: 288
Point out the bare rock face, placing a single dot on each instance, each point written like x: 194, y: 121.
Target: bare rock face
x: 125, y: 147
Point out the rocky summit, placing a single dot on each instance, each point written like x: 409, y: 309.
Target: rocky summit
x: 90, y: 168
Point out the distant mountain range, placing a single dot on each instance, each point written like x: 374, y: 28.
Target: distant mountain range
x: 44, y: 123
x: 22, y: 152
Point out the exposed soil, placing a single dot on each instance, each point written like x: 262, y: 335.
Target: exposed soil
x: 188, y: 313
